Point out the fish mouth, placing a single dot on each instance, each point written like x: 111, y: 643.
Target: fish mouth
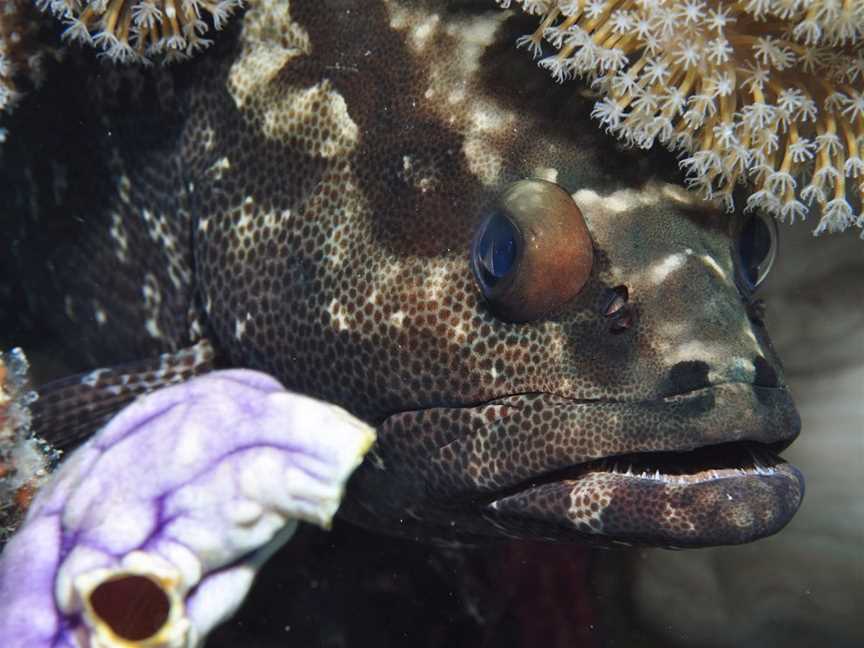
x: 721, y: 461
x: 729, y: 493
x: 694, y: 469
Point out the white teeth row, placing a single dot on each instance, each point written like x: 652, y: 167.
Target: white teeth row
x: 758, y: 468
x: 761, y: 468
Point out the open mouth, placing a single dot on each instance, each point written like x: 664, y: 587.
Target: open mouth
x: 725, y: 494
x: 722, y: 461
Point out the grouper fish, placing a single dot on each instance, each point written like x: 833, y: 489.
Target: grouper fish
x: 384, y: 204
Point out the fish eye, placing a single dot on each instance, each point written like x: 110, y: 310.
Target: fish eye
x: 756, y: 249
x: 533, y: 252
x: 496, y: 251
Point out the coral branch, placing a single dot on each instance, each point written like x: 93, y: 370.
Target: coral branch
x: 142, y: 30
x: 766, y: 93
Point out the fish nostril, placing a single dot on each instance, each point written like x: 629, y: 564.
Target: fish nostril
x: 687, y: 376
x: 616, y: 299
x: 765, y: 376
x: 617, y: 309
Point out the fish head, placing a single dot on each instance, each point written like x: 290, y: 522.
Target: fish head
x: 554, y: 339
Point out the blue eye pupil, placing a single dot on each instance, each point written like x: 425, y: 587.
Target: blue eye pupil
x: 495, y: 251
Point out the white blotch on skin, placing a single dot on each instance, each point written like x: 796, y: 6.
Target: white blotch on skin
x: 337, y: 316
x: 742, y: 368
x: 218, y: 168
x: 99, y: 314
x: 92, y: 378
x: 482, y: 159
x: 436, y: 282
x: 208, y: 138
x: 152, y: 302
x: 555, y: 348
x: 621, y: 200
x: 419, y: 36
x: 343, y: 132
x: 712, y: 265
x: 662, y: 269
x: 397, y: 318
x: 245, y: 220
x: 150, y: 291
x: 118, y: 235
x: 684, y: 197
x: 546, y: 173
x: 123, y: 187
x: 239, y: 329
x: 695, y: 350
x: 459, y: 332
x: 484, y: 119
x: 152, y: 327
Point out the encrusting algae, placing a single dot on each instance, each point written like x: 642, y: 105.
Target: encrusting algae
x: 142, y: 30
x: 766, y: 92
x: 24, y: 459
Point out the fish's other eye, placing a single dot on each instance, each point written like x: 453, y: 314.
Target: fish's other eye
x: 756, y: 249
x: 533, y: 253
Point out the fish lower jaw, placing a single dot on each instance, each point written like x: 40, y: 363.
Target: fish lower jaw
x: 727, y: 494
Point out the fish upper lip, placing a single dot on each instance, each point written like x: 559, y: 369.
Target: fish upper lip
x: 581, y: 401
x: 782, y: 443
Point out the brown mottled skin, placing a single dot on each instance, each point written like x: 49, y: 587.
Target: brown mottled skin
x: 310, y: 207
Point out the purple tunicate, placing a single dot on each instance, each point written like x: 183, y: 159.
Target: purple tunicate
x: 178, y: 501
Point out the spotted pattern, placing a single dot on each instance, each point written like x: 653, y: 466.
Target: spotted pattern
x: 331, y: 185
x: 68, y: 409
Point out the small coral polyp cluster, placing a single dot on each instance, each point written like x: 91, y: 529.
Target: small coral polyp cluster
x: 142, y: 30
x: 21, y: 54
x: 767, y: 92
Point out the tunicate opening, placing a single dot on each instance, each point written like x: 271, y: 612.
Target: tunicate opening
x: 135, y: 607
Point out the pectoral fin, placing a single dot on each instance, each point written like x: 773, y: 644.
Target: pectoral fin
x: 71, y: 409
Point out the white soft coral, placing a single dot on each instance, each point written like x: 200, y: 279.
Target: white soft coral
x: 140, y: 30
x: 770, y: 91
